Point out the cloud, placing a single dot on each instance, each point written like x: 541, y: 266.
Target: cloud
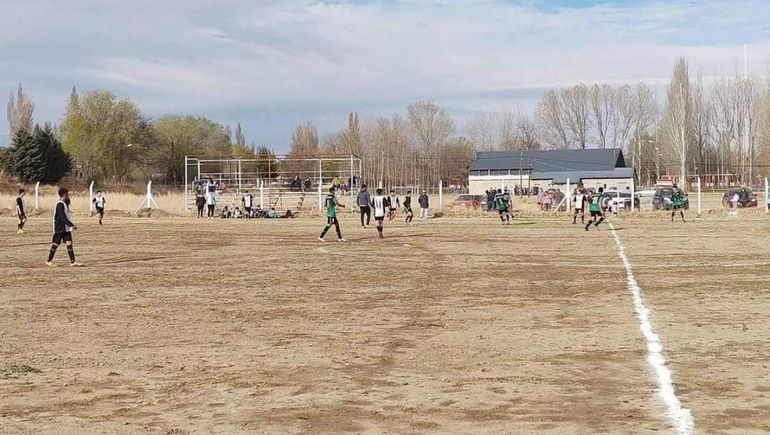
x: 289, y: 61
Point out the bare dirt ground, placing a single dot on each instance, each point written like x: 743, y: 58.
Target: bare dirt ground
x: 448, y: 326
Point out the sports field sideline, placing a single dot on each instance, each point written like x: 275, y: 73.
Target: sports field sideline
x: 449, y: 326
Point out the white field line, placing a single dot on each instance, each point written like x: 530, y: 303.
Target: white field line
x: 680, y: 418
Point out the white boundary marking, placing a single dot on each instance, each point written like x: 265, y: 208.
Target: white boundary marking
x: 680, y: 417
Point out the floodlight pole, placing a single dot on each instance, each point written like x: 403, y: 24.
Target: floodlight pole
x: 569, y: 196
x: 320, y: 182
x: 148, y: 199
x: 441, y: 195
x: 699, y: 195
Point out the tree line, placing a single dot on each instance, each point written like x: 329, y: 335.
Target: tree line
x: 696, y: 126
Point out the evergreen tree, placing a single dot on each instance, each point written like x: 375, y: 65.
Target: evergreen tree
x: 37, y: 157
x: 27, y: 160
x: 56, y: 162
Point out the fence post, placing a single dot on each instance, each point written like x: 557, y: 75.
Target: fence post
x: 699, y: 195
x: 569, y: 196
x: 261, y: 195
x: 37, y: 195
x: 767, y: 196
x: 91, y: 198
x: 186, y: 200
x: 441, y: 195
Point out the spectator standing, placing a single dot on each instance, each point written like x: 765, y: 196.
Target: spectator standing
x: 363, y: 200
x: 490, y: 199
x: 424, y: 205
x: 200, y: 202
x: 211, y: 203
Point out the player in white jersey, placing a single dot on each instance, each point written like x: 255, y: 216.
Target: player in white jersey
x: 378, y: 205
x: 62, y: 229
x: 21, y: 211
x: 248, y: 203
x: 580, y: 206
x: 393, y: 205
x: 99, y: 202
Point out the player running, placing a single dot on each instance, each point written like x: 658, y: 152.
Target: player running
x: 393, y: 205
x: 99, y: 202
x: 677, y: 203
x: 580, y: 206
x: 62, y: 229
x: 21, y: 212
x: 596, y: 207
x: 378, y: 204
x: 248, y: 202
x: 408, y: 208
x: 331, y: 216
x: 502, y: 206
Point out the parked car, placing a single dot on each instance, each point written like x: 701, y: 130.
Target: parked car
x: 662, y: 199
x: 624, y: 201
x: 471, y: 202
x: 747, y: 200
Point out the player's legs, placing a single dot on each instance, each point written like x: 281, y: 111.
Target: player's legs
x: 326, y: 228
x: 363, y: 213
x: 337, y: 228
x: 22, y: 221
x: 380, y: 221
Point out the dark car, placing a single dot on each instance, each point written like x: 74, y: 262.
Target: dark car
x: 471, y: 202
x: 662, y: 199
x: 745, y: 199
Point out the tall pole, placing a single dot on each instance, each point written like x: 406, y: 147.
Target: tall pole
x: 569, y: 196
x: 184, y: 183
x: 37, y: 196
x: 91, y: 197
x: 699, y: 195
x: 767, y: 196
x: 441, y: 195
x: 521, y: 176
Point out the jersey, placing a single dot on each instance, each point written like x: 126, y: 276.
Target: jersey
x: 21, y: 206
x: 379, y: 206
x: 579, y: 199
x: 331, y: 206
x: 99, y: 201
x: 393, y: 202
x: 62, y: 218
x: 500, y: 202
x: 596, y: 202
x: 248, y: 200
x: 677, y: 199
x: 408, y: 203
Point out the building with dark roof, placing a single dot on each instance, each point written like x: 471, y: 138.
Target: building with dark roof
x: 527, y: 169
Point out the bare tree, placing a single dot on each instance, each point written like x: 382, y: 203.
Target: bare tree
x: 20, y: 111
x: 481, y: 131
x: 552, y: 124
x: 432, y: 127
x: 677, y: 121
x: 577, y: 113
x: 603, y: 110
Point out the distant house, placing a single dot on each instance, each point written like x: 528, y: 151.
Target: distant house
x: 528, y: 169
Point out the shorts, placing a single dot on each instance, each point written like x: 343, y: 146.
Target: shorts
x: 379, y: 218
x: 596, y: 213
x: 677, y: 207
x: 248, y: 209
x: 503, y: 211
x: 58, y: 238
x: 100, y: 210
x: 331, y: 220
x: 408, y: 210
x: 22, y: 217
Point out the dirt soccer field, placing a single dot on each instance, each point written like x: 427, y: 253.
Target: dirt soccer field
x: 179, y: 326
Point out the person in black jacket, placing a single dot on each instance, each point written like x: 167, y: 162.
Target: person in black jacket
x: 21, y: 211
x: 62, y: 229
x: 363, y: 200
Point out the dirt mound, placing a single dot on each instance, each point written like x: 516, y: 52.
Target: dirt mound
x: 7, y: 212
x: 118, y: 213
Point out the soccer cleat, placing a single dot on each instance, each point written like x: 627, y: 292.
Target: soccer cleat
x: 321, y: 239
x: 341, y: 240
x: 76, y: 264
x: 50, y: 264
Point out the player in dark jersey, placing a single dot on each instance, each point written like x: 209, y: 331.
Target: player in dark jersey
x: 62, y: 229
x: 502, y: 206
x: 408, y: 208
x: 677, y: 203
x: 596, y: 208
x: 331, y: 216
x: 21, y: 211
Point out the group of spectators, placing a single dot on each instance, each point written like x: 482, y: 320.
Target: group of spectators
x: 255, y: 213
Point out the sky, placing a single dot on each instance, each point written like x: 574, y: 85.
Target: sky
x: 274, y: 64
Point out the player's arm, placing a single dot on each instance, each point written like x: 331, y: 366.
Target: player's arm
x: 20, y: 206
x: 61, y: 215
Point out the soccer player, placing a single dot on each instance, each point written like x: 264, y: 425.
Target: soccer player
x: 501, y: 205
x: 378, y: 204
x: 62, y: 229
x: 247, y: 201
x: 677, y: 203
x: 393, y: 205
x: 331, y: 216
x: 408, y: 208
x: 99, y: 202
x: 364, y: 201
x: 580, y: 202
x: 21, y: 211
x: 596, y: 207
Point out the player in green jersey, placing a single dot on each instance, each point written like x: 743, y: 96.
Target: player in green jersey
x: 331, y: 216
x: 677, y: 203
x: 596, y: 208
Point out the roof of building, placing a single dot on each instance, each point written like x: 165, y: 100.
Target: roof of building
x: 550, y: 161
x: 577, y: 176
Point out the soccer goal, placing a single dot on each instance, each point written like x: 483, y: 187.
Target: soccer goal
x: 276, y: 181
